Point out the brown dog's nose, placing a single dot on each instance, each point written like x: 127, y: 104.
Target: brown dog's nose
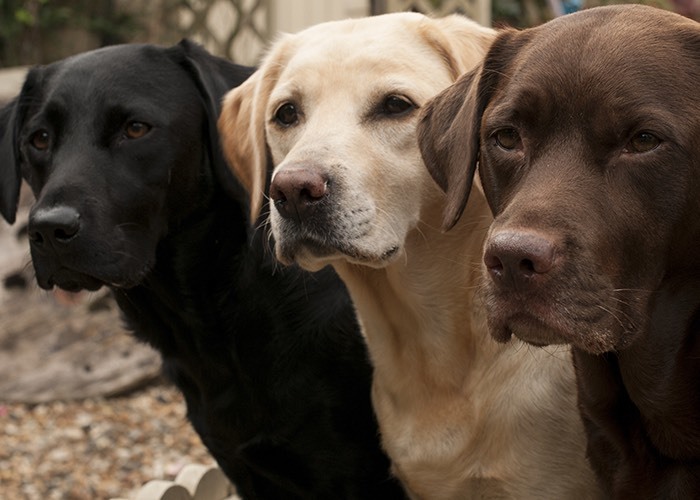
x: 517, y: 259
x: 297, y: 191
x: 56, y: 225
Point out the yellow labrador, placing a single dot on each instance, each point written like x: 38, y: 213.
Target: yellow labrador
x: 335, y: 109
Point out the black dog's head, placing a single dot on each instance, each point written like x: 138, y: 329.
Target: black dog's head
x: 587, y: 134
x: 118, y: 145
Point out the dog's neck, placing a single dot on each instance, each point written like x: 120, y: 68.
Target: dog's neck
x: 155, y: 307
x: 417, y: 313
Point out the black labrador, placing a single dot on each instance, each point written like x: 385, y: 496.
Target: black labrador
x: 120, y: 148
x: 587, y: 135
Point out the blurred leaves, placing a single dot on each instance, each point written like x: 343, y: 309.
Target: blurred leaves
x: 31, y: 31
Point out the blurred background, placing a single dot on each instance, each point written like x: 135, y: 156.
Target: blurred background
x: 84, y: 412
x: 40, y: 31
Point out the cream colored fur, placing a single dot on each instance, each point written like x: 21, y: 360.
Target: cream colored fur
x: 461, y: 416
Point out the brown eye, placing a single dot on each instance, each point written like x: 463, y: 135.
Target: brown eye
x: 508, y: 139
x: 286, y: 115
x: 395, y: 105
x: 40, y: 140
x: 135, y: 130
x: 643, y: 142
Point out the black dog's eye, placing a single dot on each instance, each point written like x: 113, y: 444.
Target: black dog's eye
x: 41, y: 140
x: 643, y: 142
x: 135, y: 130
x: 508, y: 139
x: 396, y: 105
x: 286, y: 115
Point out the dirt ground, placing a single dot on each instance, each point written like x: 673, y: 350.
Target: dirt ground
x: 84, y: 414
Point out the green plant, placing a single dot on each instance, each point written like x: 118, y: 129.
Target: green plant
x: 30, y: 30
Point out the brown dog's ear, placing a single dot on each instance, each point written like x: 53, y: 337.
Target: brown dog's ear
x: 449, y: 126
x: 242, y: 129
x: 448, y: 136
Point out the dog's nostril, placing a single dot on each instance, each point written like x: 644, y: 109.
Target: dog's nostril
x: 527, y: 266
x: 492, y: 262
x: 36, y: 238
x: 65, y: 233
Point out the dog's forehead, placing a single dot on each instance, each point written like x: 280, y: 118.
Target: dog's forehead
x: 137, y: 80
x: 603, y: 60
x: 356, y: 55
x: 116, y: 72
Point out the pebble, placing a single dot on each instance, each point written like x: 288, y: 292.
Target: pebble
x: 98, y: 448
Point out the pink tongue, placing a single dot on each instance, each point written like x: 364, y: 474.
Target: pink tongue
x: 68, y: 298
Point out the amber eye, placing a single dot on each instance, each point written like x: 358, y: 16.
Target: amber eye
x: 135, y: 130
x: 286, y: 115
x: 395, y: 105
x: 40, y: 140
x: 643, y: 142
x: 508, y: 139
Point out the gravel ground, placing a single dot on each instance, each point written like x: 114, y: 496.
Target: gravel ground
x: 96, y: 448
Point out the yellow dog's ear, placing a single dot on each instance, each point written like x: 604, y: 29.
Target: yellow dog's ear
x: 242, y: 129
x: 460, y: 41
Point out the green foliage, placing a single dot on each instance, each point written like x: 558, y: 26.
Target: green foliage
x: 30, y: 30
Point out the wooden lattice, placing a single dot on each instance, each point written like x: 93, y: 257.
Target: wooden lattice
x: 479, y: 10
x: 236, y: 29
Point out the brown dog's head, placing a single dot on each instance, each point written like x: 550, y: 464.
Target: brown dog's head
x: 334, y: 109
x: 587, y: 135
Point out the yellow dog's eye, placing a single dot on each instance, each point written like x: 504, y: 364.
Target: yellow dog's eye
x: 135, y: 130
x: 286, y: 115
x: 643, y: 142
x: 396, y: 105
x: 40, y: 140
x: 508, y: 139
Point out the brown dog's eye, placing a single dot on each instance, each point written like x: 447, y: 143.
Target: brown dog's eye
x: 395, y: 105
x: 135, y: 130
x: 40, y: 140
x: 508, y: 139
x: 643, y: 142
x: 286, y: 114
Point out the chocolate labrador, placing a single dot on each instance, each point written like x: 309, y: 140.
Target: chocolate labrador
x: 121, y: 150
x: 587, y: 135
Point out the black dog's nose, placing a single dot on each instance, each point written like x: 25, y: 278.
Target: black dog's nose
x: 54, y: 225
x: 296, y: 191
x: 518, y: 259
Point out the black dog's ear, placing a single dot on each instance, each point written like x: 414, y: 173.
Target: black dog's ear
x: 449, y: 128
x: 10, y: 177
x: 214, y: 77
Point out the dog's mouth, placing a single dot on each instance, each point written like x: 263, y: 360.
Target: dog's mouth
x: 70, y: 282
x: 313, y: 252
x: 50, y: 274
x: 588, y: 322
x: 527, y: 328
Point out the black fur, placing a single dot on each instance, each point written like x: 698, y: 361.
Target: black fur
x: 270, y: 361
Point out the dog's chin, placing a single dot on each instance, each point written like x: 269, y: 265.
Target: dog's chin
x: 528, y: 329
x: 75, y: 281
x: 545, y: 327
x: 69, y: 281
x: 313, y: 255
